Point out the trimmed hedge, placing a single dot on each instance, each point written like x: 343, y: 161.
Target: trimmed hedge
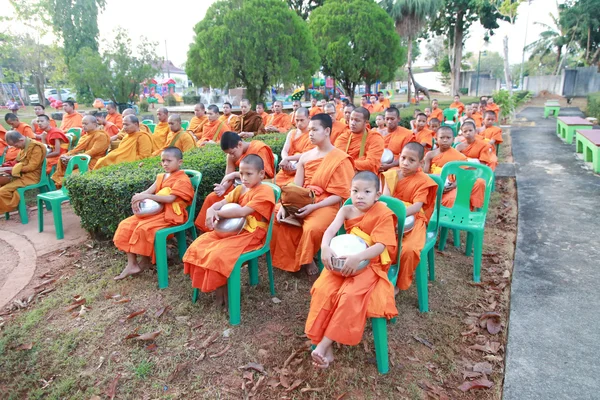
x: 102, y: 198
x: 593, y: 105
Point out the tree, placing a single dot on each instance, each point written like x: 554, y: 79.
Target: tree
x: 304, y: 7
x: 553, y: 37
x: 410, y: 16
x: 253, y: 43
x: 582, y: 19
x: 357, y: 42
x: 435, y: 50
x: 507, y: 8
x: 491, y: 62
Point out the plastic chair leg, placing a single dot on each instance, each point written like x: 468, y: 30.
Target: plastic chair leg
x: 381, y: 344
x: 181, y: 243
x: 194, y: 233
x: 40, y: 215
x: 456, y: 234
x: 270, y: 270
x: 431, y: 263
x: 234, y: 291
x: 253, y: 271
x: 443, y: 238
x: 478, y: 242
x: 160, y: 252
x: 58, y: 222
x: 7, y: 216
x: 23, y: 211
x: 195, y: 295
x: 469, y: 246
x: 422, y: 290
x: 319, y: 262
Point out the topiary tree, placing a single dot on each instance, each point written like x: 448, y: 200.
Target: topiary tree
x: 253, y: 43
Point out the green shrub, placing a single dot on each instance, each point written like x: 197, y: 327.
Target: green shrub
x: 102, y: 198
x: 191, y: 99
x: 593, y: 105
x: 463, y: 91
x: 170, y: 100
x: 144, y: 105
x: 508, y: 104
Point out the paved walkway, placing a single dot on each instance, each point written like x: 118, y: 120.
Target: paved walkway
x: 21, y: 245
x: 554, y: 327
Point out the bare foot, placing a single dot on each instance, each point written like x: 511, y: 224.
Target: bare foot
x: 319, y: 360
x: 312, y: 271
x: 221, y: 299
x: 145, y: 263
x: 322, y: 355
x: 396, y: 291
x: 130, y: 269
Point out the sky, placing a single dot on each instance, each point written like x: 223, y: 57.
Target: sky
x: 173, y: 21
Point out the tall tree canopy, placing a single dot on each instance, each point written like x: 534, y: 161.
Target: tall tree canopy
x: 580, y: 20
x: 357, y: 42
x: 252, y: 43
x: 304, y: 7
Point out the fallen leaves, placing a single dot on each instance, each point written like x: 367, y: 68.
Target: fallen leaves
x: 75, y: 304
x: 111, y: 391
x: 491, y: 320
x: 148, y: 336
x: 483, y: 367
x: 254, y: 366
x: 180, y: 368
x: 481, y: 383
x: 163, y: 310
x: 488, y: 347
x: 135, y: 314
x: 25, y: 346
x: 424, y: 342
x: 221, y: 352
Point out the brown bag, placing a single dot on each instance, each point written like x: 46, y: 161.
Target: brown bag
x: 294, y: 198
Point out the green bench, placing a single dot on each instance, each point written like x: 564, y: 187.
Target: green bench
x: 566, y: 127
x: 551, y: 108
x: 588, y: 143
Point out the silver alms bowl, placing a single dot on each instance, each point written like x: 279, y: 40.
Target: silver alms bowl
x: 409, y: 223
x: 387, y: 156
x: 149, y: 207
x: 344, y: 246
x: 227, y: 227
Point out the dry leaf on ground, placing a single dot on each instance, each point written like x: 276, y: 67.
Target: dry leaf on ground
x: 148, y: 336
x: 111, y: 391
x: 135, y: 314
x: 480, y: 383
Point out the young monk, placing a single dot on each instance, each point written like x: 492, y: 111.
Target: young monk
x: 491, y: 134
x: 314, y: 108
x: 236, y: 150
x: 295, y: 106
x: 340, y: 305
x: 177, y: 137
x: 109, y: 127
x: 209, y: 260
x: 277, y: 121
x: 260, y: 110
x: 396, y: 137
x: 418, y: 192
x: 376, y: 106
x: 413, y: 122
x: 213, y: 129
x: 161, y: 130
x: 435, y: 111
x: 230, y: 119
x: 475, y: 147
x: 296, y: 143
x: 363, y: 145
x: 338, y: 127
x: 327, y: 171
x: 457, y: 104
x: 55, y: 138
x: 11, y: 152
x: 347, y: 112
x: 422, y: 134
x: 491, y: 106
x: 21, y: 127
x: 385, y: 102
x: 39, y: 109
x: 199, y: 120
x: 71, y: 118
x: 433, y: 125
x: 135, y: 235
x: 380, y: 122
x: 476, y: 115
x: 113, y: 116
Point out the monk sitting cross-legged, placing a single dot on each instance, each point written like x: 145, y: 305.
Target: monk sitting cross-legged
x: 55, y: 138
x: 71, y: 118
x: 251, y: 124
x: 209, y: 260
x: 177, y: 137
x: 161, y: 130
x: 475, y: 147
x: 21, y: 127
x: 338, y: 127
x: 236, y: 149
x: 198, y: 121
x: 340, y: 305
x: 213, y: 129
x: 418, y: 191
x: 296, y: 143
x: 135, y: 235
x: 119, y: 136
x: 278, y: 121
x: 326, y: 171
x: 396, y: 138
x: 136, y: 145
x: 230, y: 119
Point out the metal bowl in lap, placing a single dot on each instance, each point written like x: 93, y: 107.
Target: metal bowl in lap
x: 5, y: 178
x: 149, y: 207
x: 409, y: 223
x: 344, y: 246
x: 293, y: 164
x: 227, y: 227
x: 237, y: 182
x: 387, y: 156
x: 474, y: 160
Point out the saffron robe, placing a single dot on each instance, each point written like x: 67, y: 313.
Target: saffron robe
x: 159, y: 137
x: 12, y: 152
x: 27, y: 171
x: 339, y: 111
x: 425, y: 136
x: 251, y: 122
x: 232, y: 120
x: 336, y: 130
x: 51, y: 137
x: 493, y: 107
x: 412, y: 189
x: 264, y: 117
x: 116, y: 119
x: 340, y: 306
x: 184, y: 142
x: 135, y: 146
x: 482, y: 150
x: 298, y: 145
x: 111, y: 128
x: 212, y: 130
x: 209, y: 260
x: 69, y: 121
x: 292, y: 246
x: 377, y: 107
x: 94, y: 144
x: 39, y: 131
x: 314, y: 111
x: 374, y: 146
x: 397, y: 139
x: 493, y: 132
x: 293, y: 118
x: 281, y: 121
x: 256, y: 147
x: 197, y: 124
x: 459, y: 106
x: 25, y: 130
x: 478, y: 118
x: 386, y: 103
x: 437, y: 113
x: 136, y: 235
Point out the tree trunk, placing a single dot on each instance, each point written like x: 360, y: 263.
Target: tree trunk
x: 558, y: 54
x: 507, y: 67
x: 587, y: 49
x: 349, y: 87
x: 459, y: 30
x: 409, y: 65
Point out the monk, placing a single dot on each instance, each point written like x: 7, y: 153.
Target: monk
x: 383, y: 101
x: 161, y: 131
x: 476, y: 115
x: 230, y: 119
x: 296, y: 143
x: 413, y: 122
x: 347, y: 112
x: 433, y: 125
x: 177, y: 137
x: 468, y: 114
x: 278, y: 121
x: 418, y: 192
x: 55, y: 138
x: 339, y: 107
x: 11, y: 152
x: 94, y: 143
x: 260, y: 110
x: 380, y: 125
x: 250, y: 122
x: 113, y: 115
x: 213, y: 129
x: 457, y: 104
x: 314, y: 108
x: 364, y: 102
x: 491, y: 134
x: 338, y: 127
x: 136, y: 145
x: 327, y: 171
x: 209, y: 260
x: 396, y: 138
x: 198, y: 120
x: 436, y: 112
x: 491, y: 106
x: 27, y: 170
x: 71, y: 118
x: 341, y: 303
x: 364, y: 146
x: 476, y: 147
x: 39, y: 109
x: 376, y: 106
x: 236, y: 149
x: 21, y: 127
x: 295, y: 106
x: 422, y: 134
x: 435, y: 161
x: 135, y: 235
x: 108, y: 126
x: 122, y: 133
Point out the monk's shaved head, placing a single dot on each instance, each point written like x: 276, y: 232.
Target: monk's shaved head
x: 278, y: 102
x: 213, y: 108
x: 173, y: 151
x: 324, y: 119
x: 364, y: 112
x: 43, y: 117
x: 416, y: 147
x: 163, y: 110
x: 393, y: 110
x: 246, y: 101
x: 13, y: 137
x: 230, y: 140
x: 175, y: 117
x: 254, y: 161
x: 133, y: 119
x: 11, y: 117
x: 90, y: 118
x: 200, y: 106
x: 369, y: 177
x: 128, y: 111
x: 329, y: 107
x: 302, y: 111
x: 111, y: 106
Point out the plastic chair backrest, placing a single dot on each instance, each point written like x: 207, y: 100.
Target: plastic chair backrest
x: 277, y: 193
x: 185, y: 124
x: 432, y: 226
x: 151, y: 127
x: 82, y: 162
x: 450, y: 113
x: 195, y: 178
x: 71, y: 138
x: 3, y: 155
x: 466, y: 174
x: 147, y: 121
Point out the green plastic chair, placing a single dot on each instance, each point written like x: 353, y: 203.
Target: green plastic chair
x: 57, y: 197
x: 160, y: 239
x: 151, y: 127
x: 3, y: 156
x: 72, y: 138
x: 147, y: 121
x: 185, y: 125
x: 450, y: 114
x: 460, y: 217
x: 43, y: 185
x: 77, y: 133
x: 234, y: 285
x: 454, y: 127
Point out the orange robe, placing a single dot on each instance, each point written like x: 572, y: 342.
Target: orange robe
x: 197, y: 125
x: 493, y: 132
x: 340, y: 306
x: 52, y: 135
x: 136, y: 235
x: 292, y: 246
x: 71, y: 121
x: 374, y: 146
x: 111, y: 128
x: 386, y: 103
x: 116, y: 119
x: 209, y: 260
x: 94, y: 144
x: 412, y: 189
x: 25, y: 130
x: 39, y: 131
x: 183, y: 140
x: 265, y: 117
x: 135, y: 146
x: 281, y: 121
x: 212, y: 130
x: 483, y: 151
x: 314, y: 111
x: 27, y: 171
x: 396, y: 140
x: 478, y: 118
x: 425, y: 136
x: 336, y: 130
x: 233, y: 121
x: 339, y: 111
x: 159, y: 137
x: 459, y: 106
x: 293, y: 118
x: 12, y: 152
x: 256, y: 147
x: 298, y: 145
x: 437, y: 113
x: 493, y: 107
x: 377, y: 107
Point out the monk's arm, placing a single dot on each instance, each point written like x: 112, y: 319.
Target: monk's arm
x: 98, y: 148
x: 235, y: 212
x: 386, y: 190
x: 299, y: 177
x: 370, y: 252
x: 31, y: 163
x: 286, y: 146
x: 144, y: 148
x: 329, y: 201
x: 373, y: 157
x: 413, y: 209
x: 161, y: 198
x: 56, y: 150
x: 427, y: 166
x: 335, y: 226
x: 81, y: 146
x: 230, y: 165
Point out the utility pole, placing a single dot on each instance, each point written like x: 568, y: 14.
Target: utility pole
x: 522, y: 78
x: 167, y: 61
x: 478, y: 65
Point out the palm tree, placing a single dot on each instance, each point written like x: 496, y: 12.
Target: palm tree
x: 410, y: 17
x: 554, y: 36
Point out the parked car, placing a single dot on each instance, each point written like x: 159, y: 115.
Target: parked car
x: 64, y: 95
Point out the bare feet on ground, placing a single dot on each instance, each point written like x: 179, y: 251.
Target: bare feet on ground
x: 322, y: 358
x: 312, y: 271
x: 222, y: 298
x: 130, y: 269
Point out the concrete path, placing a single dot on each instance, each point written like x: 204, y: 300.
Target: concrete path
x: 21, y: 245
x: 554, y: 327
